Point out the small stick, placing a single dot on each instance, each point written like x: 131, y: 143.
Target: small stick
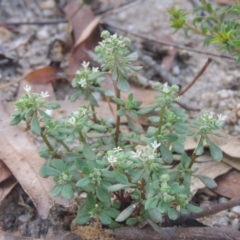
x: 196, y: 77
x: 11, y: 83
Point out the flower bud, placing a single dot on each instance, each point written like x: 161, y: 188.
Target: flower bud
x: 105, y: 34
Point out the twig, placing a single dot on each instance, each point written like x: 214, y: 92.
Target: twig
x: 167, y: 43
x: 215, y: 208
x: 11, y: 83
x: 36, y: 22
x: 196, y: 77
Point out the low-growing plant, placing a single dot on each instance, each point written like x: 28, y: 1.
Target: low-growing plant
x: 128, y: 178
x: 218, y: 25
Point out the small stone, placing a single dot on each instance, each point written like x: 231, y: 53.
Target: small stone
x: 47, y: 4
x: 176, y: 70
x: 42, y: 34
x: 236, y: 210
x: 83, y: 195
x: 122, y: 16
x: 223, y: 94
x: 231, y: 215
x: 222, y: 200
x: 235, y: 223
x: 24, y: 218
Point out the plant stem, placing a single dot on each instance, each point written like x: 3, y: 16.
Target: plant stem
x: 82, y: 139
x: 64, y: 145
x: 50, y: 147
x: 194, y: 155
x: 160, y: 123
x: 94, y: 114
x: 118, y: 95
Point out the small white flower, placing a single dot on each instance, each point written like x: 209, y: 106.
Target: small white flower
x: 27, y: 88
x: 137, y: 153
x: 166, y: 88
x: 78, y: 72
x: 118, y: 149
x: 151, y: 157
x: 82, y: 111
x: 85, y: 65
x: 44, y: 94
x: 112, y: 159
x: 114, y: 36
x: 221, y: 117
x: 49, y: 112
x: 95, y: 69
x: 155, y: 145
x: 82, y: 82
x: 72, y: 120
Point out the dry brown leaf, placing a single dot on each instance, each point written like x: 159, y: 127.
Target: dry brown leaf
x: 209, y: 168
x: 168, y: 60
x: 232, y: 149
x: 6, y: 187
x: 42, y: 75
x: 4, y: 172
x: 86, y: 34
x: 227, y: 2
x: 20, y: 155
x: 229, y: 185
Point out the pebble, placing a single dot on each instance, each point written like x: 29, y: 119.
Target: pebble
x: 176, y: 70
x: 223, y: 94
x: 222, y: 200
x: 235, y: 223
x: 24, y: 217
x: 42, y: 34
x: 236, y: 209
x: 47, y: 4
x: 122, y: 16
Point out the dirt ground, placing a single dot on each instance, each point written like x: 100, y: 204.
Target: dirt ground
x: 26, y: 47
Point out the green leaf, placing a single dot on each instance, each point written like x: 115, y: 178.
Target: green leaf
x: 149, y: 191
x: 104, y: 218
x: 98, y: 127
x: 47, y: 171
x: 185, y: 159
x: 131, y: 221
x: 120, y: 177
x: 58, y: 164
x: 178, y: 148
x: 126, y: 213
x: 155, y: 214
x: 209, y: 182
x: 88, y: 153
x: 102, y: 194
x: 123, y: 85
x: 156, y: 227
x: 67, y: 191
x: 111, y: 212
x: 119, y: 186
x: 121, y: 112
x: 75, y: 96
x: 151, y: 203
x: 35, y: 127
x: 134, y: 125
x: 163, y: 206
x: 200, y: 148
x: 16, y: 120
x: 193, y: 208
x: 132, y: 57
x: 83, y: 182
x: 56, y: 190
x: 166, y: 154
x: 51, y: 105
x: 215, y: 151
x: 171, y: 137
x: 82, y: 218
x: 138, y: 176
x: 146, y: 110
x: 119, y: 101
x: 172, y: 213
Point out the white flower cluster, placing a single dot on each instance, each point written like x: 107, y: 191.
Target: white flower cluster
x: 28, y: 88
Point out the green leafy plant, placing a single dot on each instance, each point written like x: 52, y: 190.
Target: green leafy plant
x: 128, y: 178
x: 215, y: 25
